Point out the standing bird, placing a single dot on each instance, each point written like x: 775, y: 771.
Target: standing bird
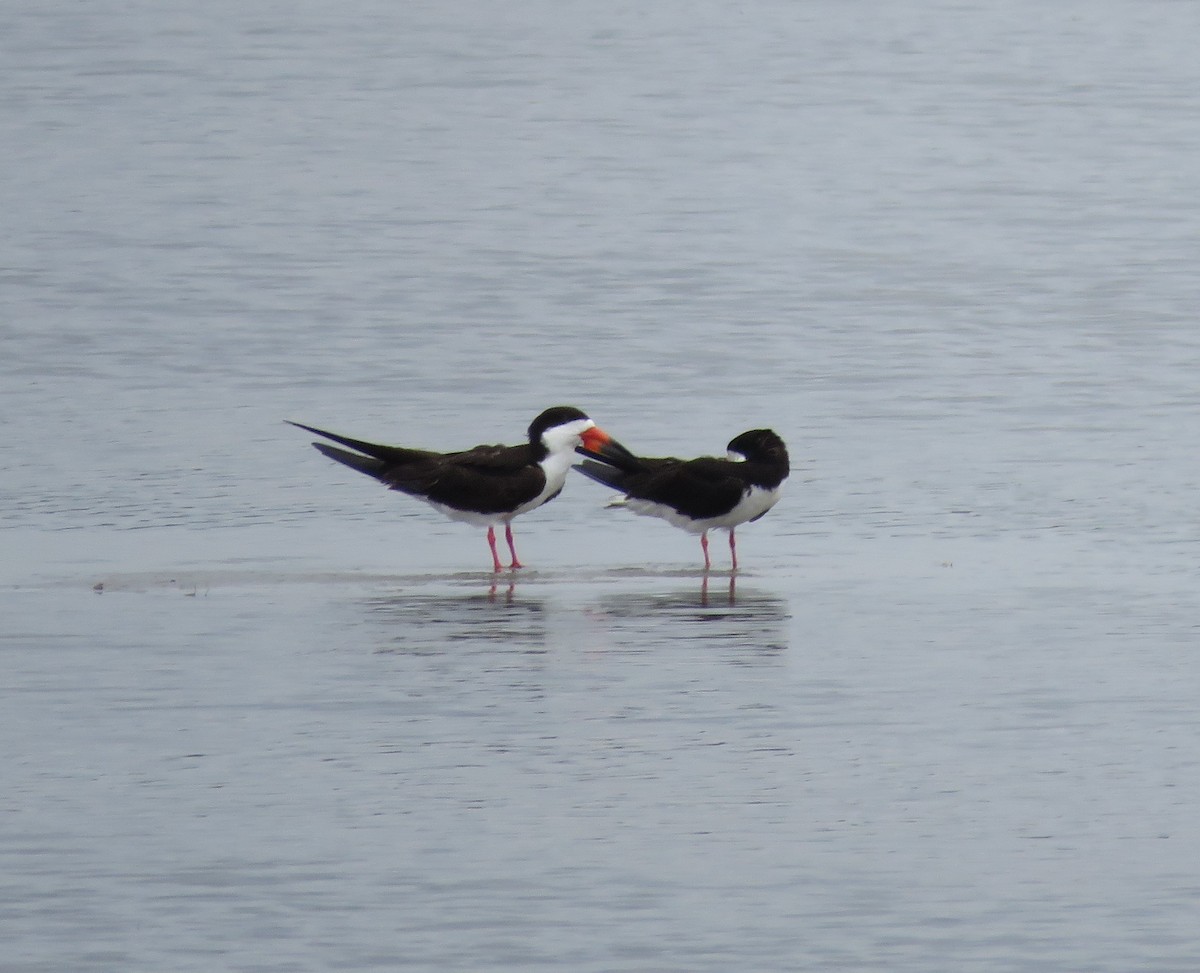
x: 698, y: 495
x: 487, y: 485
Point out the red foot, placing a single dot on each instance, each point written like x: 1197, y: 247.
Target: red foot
x: 491, y: 536
x: 512, y: 548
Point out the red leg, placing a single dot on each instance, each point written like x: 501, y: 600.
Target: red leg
x: 733, y: 548
x: 496, y: 565
x: 704, y: 547
x: 512, y: 547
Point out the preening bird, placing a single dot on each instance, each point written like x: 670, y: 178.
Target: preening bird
x: 697, y: 495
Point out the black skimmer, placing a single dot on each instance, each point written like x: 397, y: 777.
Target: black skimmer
x: 487, y: 485
x: 698, y: 495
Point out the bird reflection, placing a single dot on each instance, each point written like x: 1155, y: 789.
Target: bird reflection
x: 746, y: 621
x: 732, y: 589
x: 507, y: 595
x: 436, y: 623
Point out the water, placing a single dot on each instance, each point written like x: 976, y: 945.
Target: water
x: 259, y: 715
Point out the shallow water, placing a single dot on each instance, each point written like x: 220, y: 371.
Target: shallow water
x: 259, y: 715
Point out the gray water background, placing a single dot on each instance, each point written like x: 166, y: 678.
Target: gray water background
x: 256, y: 714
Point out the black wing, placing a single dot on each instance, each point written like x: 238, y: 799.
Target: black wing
x: 486, y: 479
x: 697, y: 488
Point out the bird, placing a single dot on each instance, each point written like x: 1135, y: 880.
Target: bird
x: 487, y: 485
x: 697, y: 495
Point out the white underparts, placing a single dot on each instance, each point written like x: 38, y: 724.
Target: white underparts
x: 755, y: 502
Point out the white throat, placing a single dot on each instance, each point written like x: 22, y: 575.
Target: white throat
x: 560, y: 442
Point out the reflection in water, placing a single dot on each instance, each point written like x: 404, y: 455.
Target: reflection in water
x: 435, y: 623
x: 732, y: 589
x: 749, y: 621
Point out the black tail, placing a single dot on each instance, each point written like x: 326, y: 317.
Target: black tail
x: 603, y: 473
x: 364, y: 464
x: 613, y: 453
x: 383, y: 454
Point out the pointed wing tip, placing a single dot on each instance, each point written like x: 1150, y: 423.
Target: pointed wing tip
x: 301, y: 425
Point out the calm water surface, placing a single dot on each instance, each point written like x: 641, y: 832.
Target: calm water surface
x: 258, y: 715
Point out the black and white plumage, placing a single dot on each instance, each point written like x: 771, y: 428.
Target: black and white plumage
x: 486, y: 485
x: 697, y: 495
